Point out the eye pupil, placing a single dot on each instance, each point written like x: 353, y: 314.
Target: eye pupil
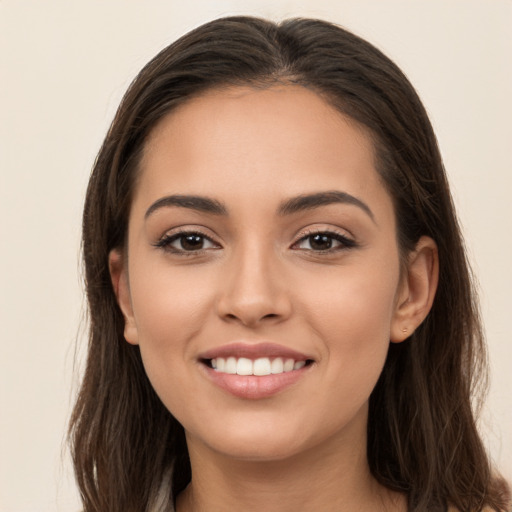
x: 192, y: 242
x: 320, y: 242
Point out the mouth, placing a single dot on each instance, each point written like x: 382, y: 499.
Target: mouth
x: 261, y: 366
x: 255, y: 371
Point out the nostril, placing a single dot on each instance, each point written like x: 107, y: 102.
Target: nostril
x: 250, y: 302
x: 249, y: 318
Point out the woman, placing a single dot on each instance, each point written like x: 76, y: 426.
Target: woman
x: 282, y: 315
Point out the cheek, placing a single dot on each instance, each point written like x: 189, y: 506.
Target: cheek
x: 169, y: 303
x: 168, y: 320
x: 350, y: 303
x: 351, y: 315
x: 170, y: 311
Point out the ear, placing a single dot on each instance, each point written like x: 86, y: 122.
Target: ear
x: 417, y: 290
x: 119, y: 275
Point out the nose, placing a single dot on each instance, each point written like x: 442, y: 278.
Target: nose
x: 254, y: 289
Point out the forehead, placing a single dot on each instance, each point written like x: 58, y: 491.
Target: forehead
x: 264, y: 142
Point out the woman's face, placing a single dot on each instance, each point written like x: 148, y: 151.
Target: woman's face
x: 259, y: 234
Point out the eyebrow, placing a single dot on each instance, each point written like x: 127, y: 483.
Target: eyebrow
x: 289, y: 207
x: 311, y: 201
x: 199, y: 203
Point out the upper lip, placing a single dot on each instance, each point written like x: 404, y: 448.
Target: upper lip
x: 254, y: 351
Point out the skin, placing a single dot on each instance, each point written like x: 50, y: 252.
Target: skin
x: 259, y: 277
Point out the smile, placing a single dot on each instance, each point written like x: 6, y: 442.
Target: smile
x: 255, y: 371
x: 261, y: 366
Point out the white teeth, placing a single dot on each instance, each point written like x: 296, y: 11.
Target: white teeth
x: 231, y: 365
x: 221, y: 364
x: 277, y: 365
x: 261, y: 366
x: 244, y: 366
x: 288, y: 365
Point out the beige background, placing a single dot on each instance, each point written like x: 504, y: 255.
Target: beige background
x: 64, y: 66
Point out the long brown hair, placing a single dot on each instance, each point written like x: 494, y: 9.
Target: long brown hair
x: 422, y: 437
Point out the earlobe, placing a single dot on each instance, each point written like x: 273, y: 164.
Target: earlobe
x: 119, y: 277
x: 418, y: 289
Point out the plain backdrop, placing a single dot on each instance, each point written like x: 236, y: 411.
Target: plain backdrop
x: 64, y: 66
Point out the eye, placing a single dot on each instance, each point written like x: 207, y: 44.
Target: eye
x: 186, y: 242
x: 324, y: 241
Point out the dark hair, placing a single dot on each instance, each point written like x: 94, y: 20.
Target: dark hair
x: 422, y: 437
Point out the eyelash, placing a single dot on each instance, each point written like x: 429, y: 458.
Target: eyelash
x: 167, y: 241
x: 344, y: 241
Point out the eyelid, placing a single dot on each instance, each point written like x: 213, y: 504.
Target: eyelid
x: 347, y: 240
x: 171, y: 235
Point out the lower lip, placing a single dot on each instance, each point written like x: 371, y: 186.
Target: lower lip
x: 255, y: 387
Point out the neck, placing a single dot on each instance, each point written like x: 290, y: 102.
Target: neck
x: 331, y: 477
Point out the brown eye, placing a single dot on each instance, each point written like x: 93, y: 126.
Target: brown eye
x: 186, y: 242
x: 324, y: 242
x: 191, y: 242
x: 320, y: 242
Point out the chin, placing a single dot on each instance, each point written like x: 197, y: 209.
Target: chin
x: 259, y: 442
x: 265, y: 441
x: 257, y: 450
